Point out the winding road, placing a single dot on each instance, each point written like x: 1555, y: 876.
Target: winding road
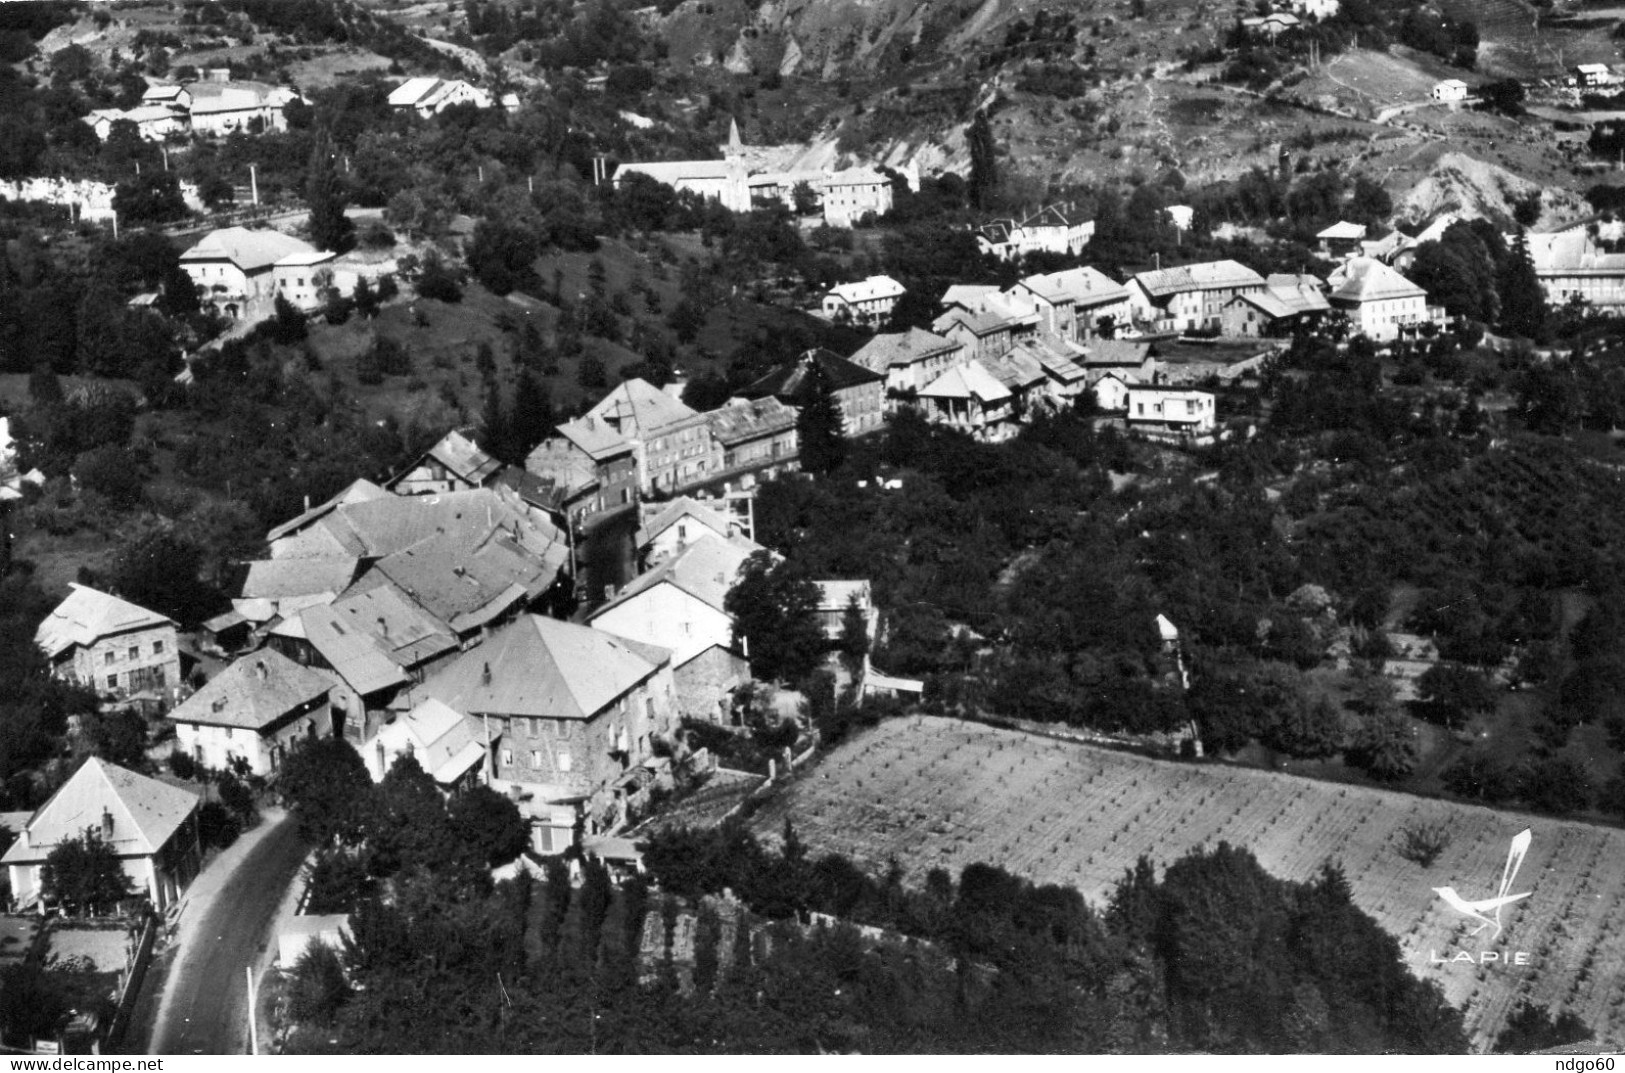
x: 204, y: 1008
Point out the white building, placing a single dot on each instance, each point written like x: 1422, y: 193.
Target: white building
x: 109, y: 644
x: 151, y: 825
x: 1380, y: 303
x: 1170, y: 411
x: 440, y: 739
x: 1451, y: 89
x: 153, y: 122
x: 431, y: 96
x: 255, y: 710
x: 226, y: 107
x: 1593, y: 74
x: 873, y: 298
x: 241, y: 271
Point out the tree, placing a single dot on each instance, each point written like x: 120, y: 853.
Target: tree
x: 330, y: 228
x: 327, y: 786
x: 1523, y: 302
x: 854, y: 641
x: 820, y: 429
x: 1455, y: 693
x: 1385, y: 747
x: 490, y: 825
x: 984, y: 167
x: 1532, y: 1028
x: 84, y: 875
x: 159, y: 569
x: 804, y: 199
x: 317, y: 988
x: 153, y: 197
x: 365, y: 298
x: 502, y: 255
x: 776, y: 619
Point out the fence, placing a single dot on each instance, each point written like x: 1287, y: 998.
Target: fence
x: 135, y: 972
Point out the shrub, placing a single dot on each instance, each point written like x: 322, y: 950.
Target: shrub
x: 216, y: 825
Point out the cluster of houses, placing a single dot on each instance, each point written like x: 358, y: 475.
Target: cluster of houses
x: 427, y: 97
x: 212, y: 105
x: 844, y: 196
x: 409, y: 618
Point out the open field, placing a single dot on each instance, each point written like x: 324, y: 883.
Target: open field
x: 939, y: 793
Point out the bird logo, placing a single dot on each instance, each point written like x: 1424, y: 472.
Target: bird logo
x: 1488, y: 910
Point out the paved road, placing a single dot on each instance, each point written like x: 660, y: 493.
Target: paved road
x: 205, y: 1002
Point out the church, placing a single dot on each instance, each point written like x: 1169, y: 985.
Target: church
x: 722, y: 179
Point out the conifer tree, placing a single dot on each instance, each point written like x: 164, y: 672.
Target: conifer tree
x: 984, y: 168
x: 819, y: 426
x: 330, y: 229
x: 1523, y: 302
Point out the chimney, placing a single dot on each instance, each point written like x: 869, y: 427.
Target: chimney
x: 262, y: 670
x: 485, y: 675
x: 383, y: 627
x: 107, y: 826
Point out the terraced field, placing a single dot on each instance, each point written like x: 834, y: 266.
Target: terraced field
x: 935, y: 792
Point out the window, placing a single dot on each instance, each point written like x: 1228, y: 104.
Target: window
x: 135, y: 651
x: 507, y: 758
x: 649, y: 707
x: 157, y: 648
x: 564, y: 761
x: 535, y: 758
x: 108, y: 658
x: 535, y: 727
x: 112, y: 680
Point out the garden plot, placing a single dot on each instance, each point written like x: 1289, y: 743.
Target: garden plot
x: 933, y: 792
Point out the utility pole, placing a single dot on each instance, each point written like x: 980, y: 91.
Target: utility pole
x: 254, y: 184
x: 253, y: 1019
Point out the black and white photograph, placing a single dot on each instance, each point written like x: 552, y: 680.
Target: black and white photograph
x: 811, y: 527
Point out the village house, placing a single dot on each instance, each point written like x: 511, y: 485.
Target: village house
x: 1380, y: 303
x: 970, y: 398
x: 757, y: 437
x: 848, y: 196
x: 668, y: 528
x: 239, y: 272
x: 564, y: 712
x: 1057, y: 360
x: 442, y: 742
x: 357, y: 491
x: 594, y: 465
x: 153, y: 122
x: 908, y: 360
x: 1163, y: 412
x: 1587, y: 75
x: 981, y: 335
x: 1271, y: 25
x: 671, y: 441
x: 221, y: 108
x: 859, y: 393
x: 1072, y: 303
x: 1189, y: 298
x: 868, y: 301
x: 1570, y: 264
x: 1111, y: 393
x: 150, y: 825
x: 1341, y: 239
x: 255, y: 710
x: 454, y: 464
x: 1129, y: 360
x: 266, y: 589
x: 1286, y: 301
x: 110, y: 645
x: 680, y: 606
x: 834, y: 597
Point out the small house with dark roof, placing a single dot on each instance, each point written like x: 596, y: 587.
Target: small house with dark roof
x: 454, y: 464
x: 257, y: 709
x: 858, y: 392
x: 680, y: 605
x: 757, y: 437
x: 109, y: 644
x: 562, y: 710
x: 151, y: 825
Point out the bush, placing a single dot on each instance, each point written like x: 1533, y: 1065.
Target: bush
x: 216, y: 826
x: 182, y: 766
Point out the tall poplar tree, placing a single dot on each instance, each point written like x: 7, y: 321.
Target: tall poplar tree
x: 330, y: 229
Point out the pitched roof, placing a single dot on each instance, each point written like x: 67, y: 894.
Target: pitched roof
x: 254, y: 693
x: 1061, y: 215
x: 793, y: 381
x: 248, y: 250
x: 350, y: 651
x: 967, y: 381
x: 891, y: 349
x: 274, y: 579
x: 400, y: 629
x: 1559, y: 252
x: 738, y: 420
x: 1342, y: 231
x: 670, y: 514
x: 411, y: 91
x: 356, y: 492
x: 976, y: 323
x: 1015, y: 369
x: 1107, y: 352
x: 461, y: 457
x: 145, y: 812
x: 1365, y: 280
x: 463, y: 588
x: 1056, y: 357
x: 594, y: 437
x: 672, y: 172
x: 705, y: 569
x: 88, y: 615
x: 439, y: 738
x: 376, y: 528
x: 1207, y: 276
x: 638, y: 408
x: 542, y: 667
x: 967, y: 296
x: 868, y: 290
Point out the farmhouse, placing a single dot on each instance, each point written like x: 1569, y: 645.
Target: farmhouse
x: 1191, y: 297
x: 970, y: 398
x: 255, y: 710
x: 1379, y: 302
x: 859, y: 393
x: 668, y: 528
x: 1341, y: 239
x: 225, y: 107
x: 1286, y: 301
x: 563, y: 711
x: 240, y: 271
x: 1451, y: 89
x: 1058, y: 228
x: 594, y: 466
x: 110, y: 645
x: 430, y: 96
x: 866, y: 302
x: 153, y: 122
x: 1592, y: 74
x: 151, y: 825
x: 680, y: 606
x: 1073, y: 303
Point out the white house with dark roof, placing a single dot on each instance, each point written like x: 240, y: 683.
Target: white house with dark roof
x: 109, y: 644
x: 255, y: 710
x: 236, y: 269
x: 1190, y: 297
x: 1380, y: 303
x: 564, y: 712
x: 680, y: 606
x: 151, y: 825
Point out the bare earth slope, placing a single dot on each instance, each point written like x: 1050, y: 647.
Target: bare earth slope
x: 940, y: 793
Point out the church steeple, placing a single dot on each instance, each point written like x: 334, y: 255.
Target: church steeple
x: 735, y: 148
